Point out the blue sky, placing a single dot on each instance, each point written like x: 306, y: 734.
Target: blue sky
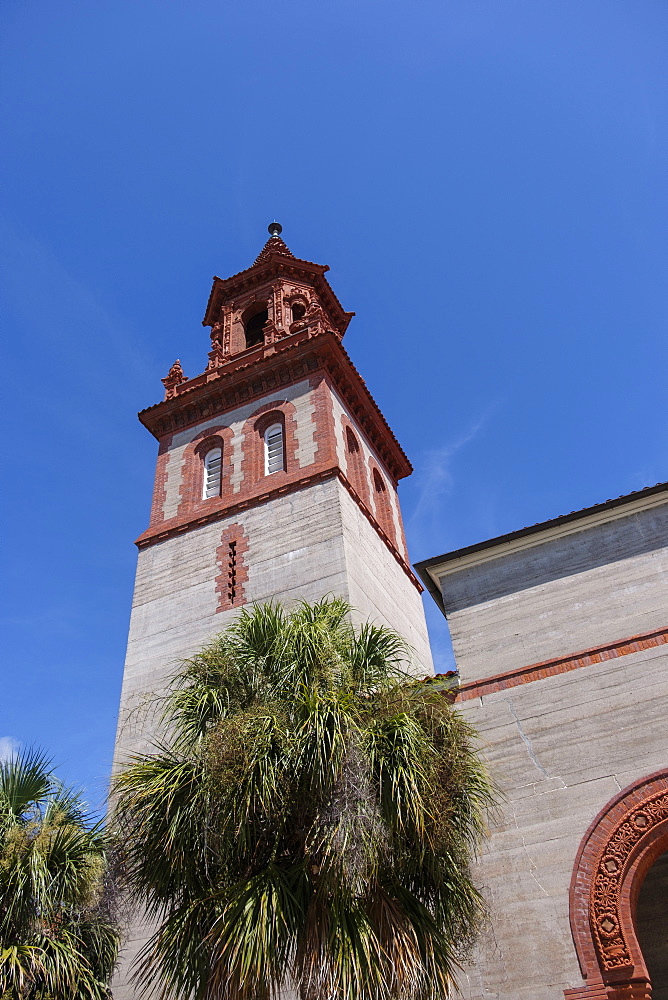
x: 486, y: 179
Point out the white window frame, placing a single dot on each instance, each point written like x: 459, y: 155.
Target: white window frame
x: 213, y: 477
x: 273, y: 453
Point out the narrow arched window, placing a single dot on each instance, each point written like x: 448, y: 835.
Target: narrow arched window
x: 213, y: 465
x: 253, y: 328
x: 274, y: 460
x: 298, y: 311
x: 351, y: 441
x: 378, y: 483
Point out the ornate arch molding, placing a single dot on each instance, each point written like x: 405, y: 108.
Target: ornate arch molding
x: 190, y: 490
x: 252, y: 462
x: 616, y: 852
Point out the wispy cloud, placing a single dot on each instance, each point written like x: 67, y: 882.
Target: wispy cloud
x: 435, y: 483
x: 9, y: 747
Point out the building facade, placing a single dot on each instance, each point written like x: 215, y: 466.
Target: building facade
x: 276, y: 479
x: 560, y: 633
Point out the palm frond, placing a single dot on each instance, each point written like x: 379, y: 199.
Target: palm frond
x: 310, y: 820
x: 26, y: 782
x: 54, y: 939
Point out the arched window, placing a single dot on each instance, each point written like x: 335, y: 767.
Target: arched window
x: 253, y: 328
x: 352, y: 442
x: 383, y: 505
x: 213, y: 465
x: 274, y: 452
x: 298, y: 311
x: 355, y: 471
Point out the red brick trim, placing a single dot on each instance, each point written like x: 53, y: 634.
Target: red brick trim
x: 251, y: 376
x: 592, y: 991
x: 402, y: 533
x: 356, y: 471
x: 562, y: 664
x: 230, y: 582
x: 381, y: 500
x: 374, y: 523
x: 324, y: 434
x: 160, y: 482
x: 231, y: 505
x: 252, y: 460
x: 179, y: 525
x: 192, y: 469
x: 615, y: 854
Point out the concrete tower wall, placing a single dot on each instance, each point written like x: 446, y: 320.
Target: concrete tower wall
x: 326, y: 522
x: 344, y: 418
x: 314, y: 542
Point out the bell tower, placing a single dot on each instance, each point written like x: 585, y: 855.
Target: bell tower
x: 276, y: 479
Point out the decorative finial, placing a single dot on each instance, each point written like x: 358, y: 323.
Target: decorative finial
x: 275, y: 228
x: 173, y: 379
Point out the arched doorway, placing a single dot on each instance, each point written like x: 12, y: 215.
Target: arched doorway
x: 652, y: 925
x: 617, y: 889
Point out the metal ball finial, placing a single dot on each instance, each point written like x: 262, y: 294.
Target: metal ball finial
x: 275, y: 228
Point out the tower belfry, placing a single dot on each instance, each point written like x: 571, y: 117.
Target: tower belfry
x: 276, y: 479
x: 276, y: 476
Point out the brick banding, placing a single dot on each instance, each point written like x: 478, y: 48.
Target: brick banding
x: 382, y: 503
x: 323, y: 419
x: 160, y: 482
x: 179, y: 525
x: 290, y: 360
x: 356, y: 472
x: 233, y: 572
x: 562, y: 664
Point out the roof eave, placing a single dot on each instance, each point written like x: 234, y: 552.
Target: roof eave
x: 423, y: 567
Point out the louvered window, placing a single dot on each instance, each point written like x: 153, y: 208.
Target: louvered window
x: 213, y: 464
x: 273, y: 449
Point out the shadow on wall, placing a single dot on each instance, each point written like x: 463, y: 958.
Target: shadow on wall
x: 558, y: 558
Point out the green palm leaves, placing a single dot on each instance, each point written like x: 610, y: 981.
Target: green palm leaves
x: 57, y: 937
x: 309, y: 822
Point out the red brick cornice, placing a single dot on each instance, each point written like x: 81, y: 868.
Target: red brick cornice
x: 289, y: 484
x: 261, y: 371
x: 562, y: 664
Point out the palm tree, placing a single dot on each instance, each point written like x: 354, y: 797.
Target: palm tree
x: 308, y: 823
x: 57, y: 935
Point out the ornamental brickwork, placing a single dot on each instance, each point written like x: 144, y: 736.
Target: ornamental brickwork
x: 365, y: 457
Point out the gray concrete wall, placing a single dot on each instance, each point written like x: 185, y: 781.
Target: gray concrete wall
x: 304, y: 545
x: 295, y: 552
x: 379, y: 588
x: 570, y: 593
x: 560, y: 748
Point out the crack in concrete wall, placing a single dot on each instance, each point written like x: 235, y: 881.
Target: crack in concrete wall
x: 525, y: 739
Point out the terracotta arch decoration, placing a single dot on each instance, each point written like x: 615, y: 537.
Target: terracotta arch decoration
x: 618, y: 849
